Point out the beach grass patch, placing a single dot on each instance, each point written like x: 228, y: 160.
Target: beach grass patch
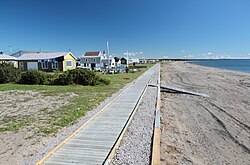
x: 14, y: 126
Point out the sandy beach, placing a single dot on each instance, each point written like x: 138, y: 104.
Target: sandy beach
x: 205, y: 130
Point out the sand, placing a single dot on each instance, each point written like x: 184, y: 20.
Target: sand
x: 205, y: 130
x: 32, y: 110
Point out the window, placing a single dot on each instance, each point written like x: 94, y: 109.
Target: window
x: 94, y: 59
x: 54, y: 65
x: 69, y: 63
x: 86, y: 59
x: 44, y: 65
x: 21, y: 66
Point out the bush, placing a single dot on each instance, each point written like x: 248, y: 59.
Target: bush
x: 81, y: 77
x: 76, y: 76
x: 61, y: 80
x: 104, y: 81
x: 33, y: 77
x: 8, y: 73
x: 51, y: 77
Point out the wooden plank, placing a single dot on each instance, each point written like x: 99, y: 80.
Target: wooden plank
x: 179, y: 90
x: 156, y: 155
x: 168, y: 88
x: 157, y: 130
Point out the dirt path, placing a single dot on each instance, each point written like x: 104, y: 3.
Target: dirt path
x: 198, y: 130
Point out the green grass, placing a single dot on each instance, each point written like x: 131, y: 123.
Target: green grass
x: 88, y: 98
x: 15, y: 125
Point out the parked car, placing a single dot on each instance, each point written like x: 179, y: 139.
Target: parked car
x: 83, y: 67
x: 134, y: 70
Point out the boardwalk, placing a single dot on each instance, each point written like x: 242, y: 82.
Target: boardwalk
x: 92, y: 144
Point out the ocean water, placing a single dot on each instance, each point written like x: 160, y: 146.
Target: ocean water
x: 242, y: 65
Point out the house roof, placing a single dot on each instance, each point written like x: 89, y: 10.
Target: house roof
x: 92, y: 53
x: 42, y: 55
x: 6, y: 57
x: 117, y: 59
x: 23, y: 51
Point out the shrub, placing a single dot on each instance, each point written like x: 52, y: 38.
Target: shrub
x: 61, y: 80
x: 8, y: 73
x: 33, y: 77
x: 104, y: 81
x: 51, y: 77
x: 81, y: 77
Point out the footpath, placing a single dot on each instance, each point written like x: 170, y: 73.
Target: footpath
x: 93, y: 143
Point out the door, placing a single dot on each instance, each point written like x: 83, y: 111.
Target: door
x: 32, y: 66
x: 92, y: 66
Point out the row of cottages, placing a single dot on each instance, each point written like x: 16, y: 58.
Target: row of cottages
x: 62, y: 61
x: 47, y: 62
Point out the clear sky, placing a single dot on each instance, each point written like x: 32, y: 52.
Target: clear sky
x: 158, y: 28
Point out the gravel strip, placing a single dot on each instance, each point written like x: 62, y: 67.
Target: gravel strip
x: 136, y: 145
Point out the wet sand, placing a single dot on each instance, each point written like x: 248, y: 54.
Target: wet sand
x: 205, y: 130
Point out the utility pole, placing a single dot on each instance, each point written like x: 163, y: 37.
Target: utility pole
x: 127, y: 58
x: 107, y: 48
x: 109, y: 62
x: 10, y: 48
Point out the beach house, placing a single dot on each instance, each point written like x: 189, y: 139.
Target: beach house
x: 94, y: 60
x: 47, y: 62
x: 118, y: 64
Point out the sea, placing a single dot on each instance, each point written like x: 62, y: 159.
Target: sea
x: 242, y: 65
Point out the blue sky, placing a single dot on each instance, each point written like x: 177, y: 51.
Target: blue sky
x: 158, y: 28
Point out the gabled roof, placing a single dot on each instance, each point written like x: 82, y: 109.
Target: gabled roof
x: 42, y: 55
x: 90, y: 54
x: 22, y: 52
x: 117, y: 59
x: 6, y: 57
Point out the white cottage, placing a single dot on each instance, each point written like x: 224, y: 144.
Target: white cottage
x: 94, y: 60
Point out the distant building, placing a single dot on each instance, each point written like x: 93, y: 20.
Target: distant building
x: 119, y: 64
x: 47, y: 62
x: 135, y: 60
x: 142, y: 61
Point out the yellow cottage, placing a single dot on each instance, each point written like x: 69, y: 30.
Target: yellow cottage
x: 47, y: 62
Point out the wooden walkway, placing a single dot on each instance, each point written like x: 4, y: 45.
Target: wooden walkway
x: 93, y: 143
